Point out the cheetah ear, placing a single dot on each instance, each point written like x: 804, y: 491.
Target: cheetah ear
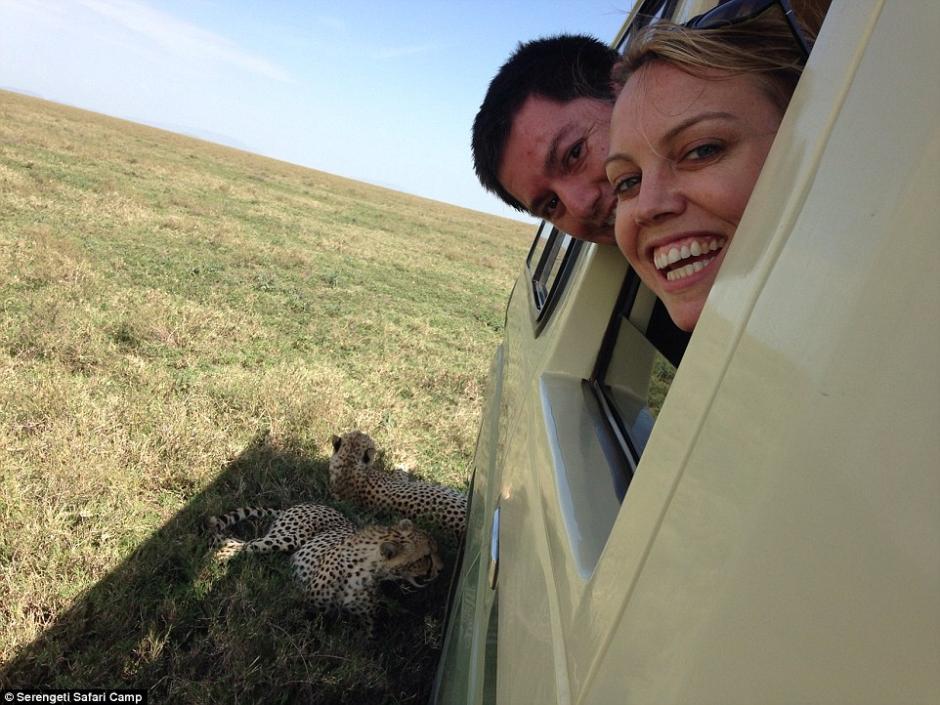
x: 368, y: 455
x: 390, y: 549
x: 337, y: 442
x: 406, y: 525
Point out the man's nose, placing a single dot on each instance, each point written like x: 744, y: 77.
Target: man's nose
x: 582, y: 199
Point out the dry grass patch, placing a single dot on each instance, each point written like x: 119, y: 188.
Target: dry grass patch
x: 182, y: 327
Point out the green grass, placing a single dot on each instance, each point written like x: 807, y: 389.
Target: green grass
x: 182, y: 328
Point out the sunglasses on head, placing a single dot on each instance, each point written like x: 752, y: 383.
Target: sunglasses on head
x: 732, y: 12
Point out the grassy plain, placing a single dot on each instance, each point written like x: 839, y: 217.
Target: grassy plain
x: 182, y: 327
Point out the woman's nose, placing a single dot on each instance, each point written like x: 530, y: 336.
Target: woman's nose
x: 659, y: 196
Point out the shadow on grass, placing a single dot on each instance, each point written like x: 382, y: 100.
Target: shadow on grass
x: 171, y: 620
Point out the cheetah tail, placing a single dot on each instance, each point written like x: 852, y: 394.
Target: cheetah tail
x: 218, y: 524
x: 227, y: 547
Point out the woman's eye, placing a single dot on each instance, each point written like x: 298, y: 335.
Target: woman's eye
x: 704, y: 151
x: 626, y: 186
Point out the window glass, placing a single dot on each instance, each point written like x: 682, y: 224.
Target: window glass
x: 635, y: 367
x: 552, y: 266
x: 538, y: 245
x: 636, y: 403
x: 649, y: 12
x: 550, y: 259
x: 660, y: 381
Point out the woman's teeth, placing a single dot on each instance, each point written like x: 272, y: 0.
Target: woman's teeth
x: 668, y: 256
x: 688, y: 270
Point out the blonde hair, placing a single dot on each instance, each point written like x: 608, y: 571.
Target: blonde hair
x: 763, y: 46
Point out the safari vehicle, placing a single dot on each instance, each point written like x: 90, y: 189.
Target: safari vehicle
x: 771, y: 534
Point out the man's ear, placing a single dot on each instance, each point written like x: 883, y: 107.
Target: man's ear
x: 618, y: 77
x: 337, y: 442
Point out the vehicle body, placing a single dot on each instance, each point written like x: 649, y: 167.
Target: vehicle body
x: 776, y: 537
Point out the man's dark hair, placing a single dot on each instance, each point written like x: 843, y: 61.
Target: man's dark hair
x: 560, y: 68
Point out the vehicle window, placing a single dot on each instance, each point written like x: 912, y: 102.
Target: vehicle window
x: 634, y: 368
x: 649, y: 12
x: 551, y: 259
x: 597, y: 447
x: 538, y: 245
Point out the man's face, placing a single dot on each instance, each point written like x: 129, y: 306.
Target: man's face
x: 553, y: 164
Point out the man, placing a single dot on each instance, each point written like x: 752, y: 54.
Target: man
x: 540, y: 136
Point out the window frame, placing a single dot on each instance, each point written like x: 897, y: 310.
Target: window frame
x: 649, y: 12
x: 545, y: 291
x: 668, y: 341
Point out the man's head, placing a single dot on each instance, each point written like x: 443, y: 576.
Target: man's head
x: 540, y: 136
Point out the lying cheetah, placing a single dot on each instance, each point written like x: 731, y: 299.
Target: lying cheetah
x: 341, y: 569
x: 338, y: 565
x: 355, y: 477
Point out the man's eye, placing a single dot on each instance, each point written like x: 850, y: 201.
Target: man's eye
x: 574, y: 154
x: 551, y: 204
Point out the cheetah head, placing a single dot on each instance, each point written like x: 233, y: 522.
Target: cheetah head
x: 353, y: 450
x: 410, y: 554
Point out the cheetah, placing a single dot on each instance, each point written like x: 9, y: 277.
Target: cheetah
x: 355, y: 477
x: 341, y: 570
x: 338, y: 565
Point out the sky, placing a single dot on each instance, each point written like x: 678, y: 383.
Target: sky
x: 382, y: 91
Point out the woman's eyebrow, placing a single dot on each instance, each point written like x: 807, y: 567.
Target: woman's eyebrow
x: 617, y: 157
x: 675, y: 130
x: 694, y: 120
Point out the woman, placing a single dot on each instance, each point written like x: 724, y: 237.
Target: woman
x: 693, y: 123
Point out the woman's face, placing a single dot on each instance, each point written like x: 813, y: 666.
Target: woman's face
x: 684, y: 155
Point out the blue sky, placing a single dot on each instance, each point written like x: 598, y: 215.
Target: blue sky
x: 381, y: 91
